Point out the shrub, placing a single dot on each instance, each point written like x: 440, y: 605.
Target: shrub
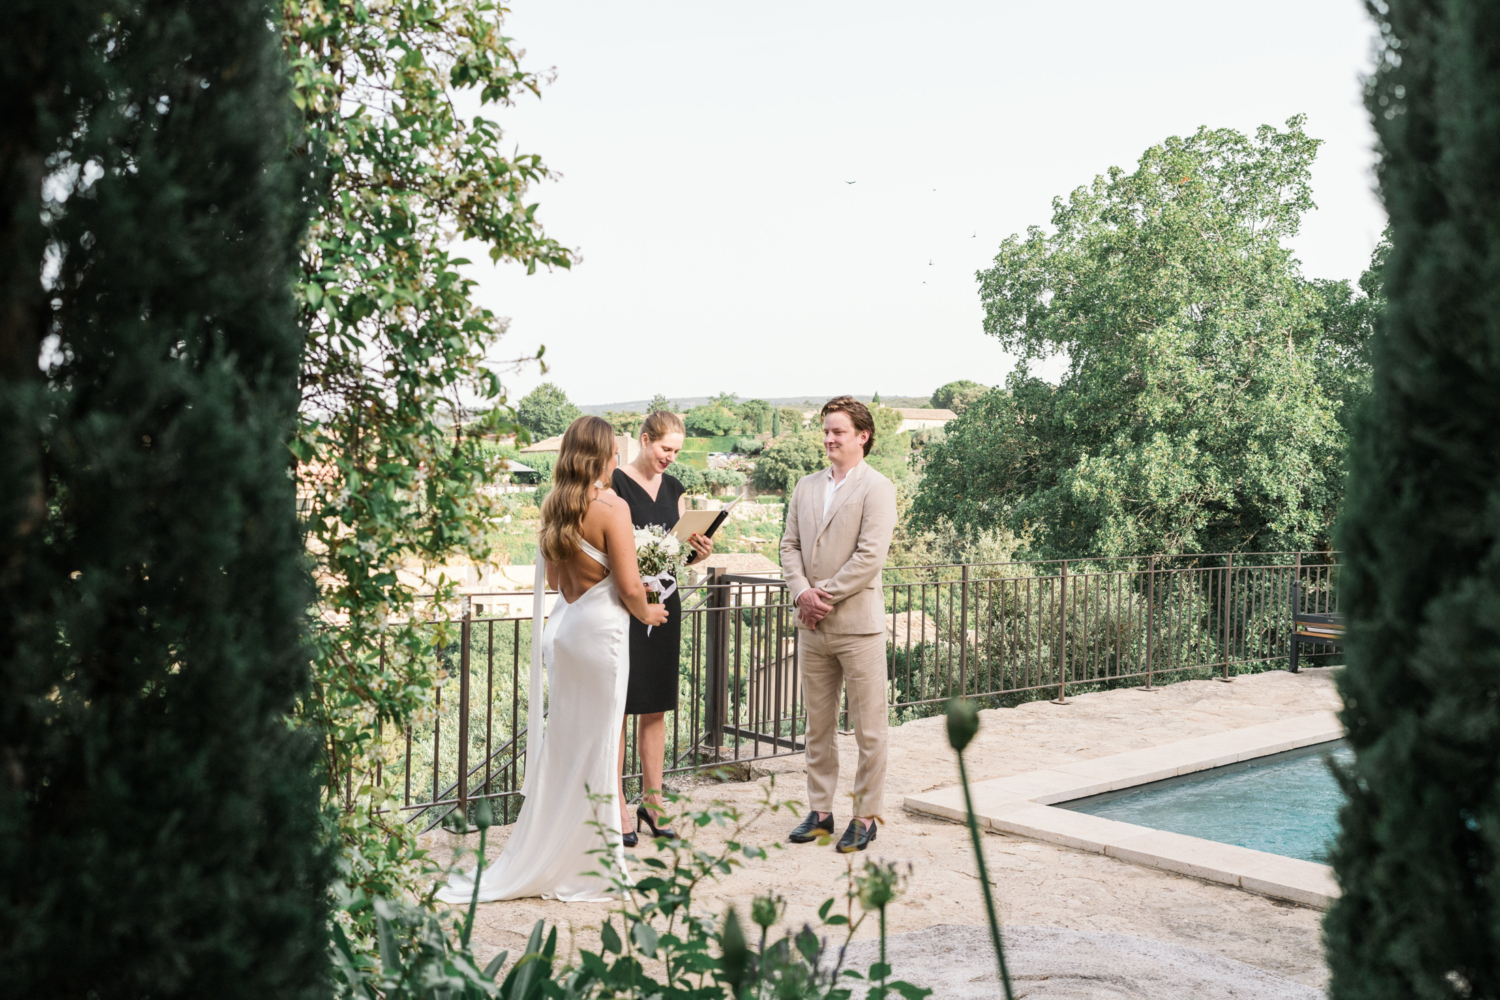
x: 721, y: 480
x: 1418, y: 855
x: 691, y: 953
x: 692, y: 480
x: 159, y: 819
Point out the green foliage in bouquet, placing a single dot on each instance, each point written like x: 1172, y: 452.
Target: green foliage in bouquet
x: 159, y: 820
x: 1418, y: 854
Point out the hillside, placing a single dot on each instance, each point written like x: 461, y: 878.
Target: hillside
x: 806, y: 402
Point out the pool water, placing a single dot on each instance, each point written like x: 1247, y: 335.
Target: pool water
x: 1285, y: 803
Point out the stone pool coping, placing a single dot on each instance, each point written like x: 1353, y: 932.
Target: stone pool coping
x: 1023, y: 805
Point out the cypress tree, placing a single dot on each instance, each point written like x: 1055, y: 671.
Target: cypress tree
x: 776, y: 422
x: 159, y: 827
x: 1417, y: 853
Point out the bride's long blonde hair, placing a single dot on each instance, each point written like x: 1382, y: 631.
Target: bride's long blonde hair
x: 587, y: 445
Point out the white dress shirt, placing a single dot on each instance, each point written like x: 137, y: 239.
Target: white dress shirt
x: 834, y: 485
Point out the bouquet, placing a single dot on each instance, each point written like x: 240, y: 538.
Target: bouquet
x: 661, y: 557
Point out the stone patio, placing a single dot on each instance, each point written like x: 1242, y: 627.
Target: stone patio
x: 1036, y: 884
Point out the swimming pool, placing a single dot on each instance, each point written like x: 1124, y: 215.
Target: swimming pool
x: 1285, y: 803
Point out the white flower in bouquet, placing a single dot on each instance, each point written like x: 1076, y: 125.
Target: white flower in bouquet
x: 658, y: 554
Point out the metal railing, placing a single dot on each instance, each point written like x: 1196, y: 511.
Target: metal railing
x: 1005, y: 632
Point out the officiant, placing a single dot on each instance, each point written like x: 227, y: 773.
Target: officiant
x: 654, y: 498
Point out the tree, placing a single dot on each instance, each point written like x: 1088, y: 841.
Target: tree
x: 948, y: 397
x: 875, y: 399
x: 776, y: 423
x: 753, y: 414
x: 1418, y: 857
x: 153, y: 588
x: 661, y: 403
x: 626, y: 421
x: 397, y: 353
x: 791, y: 418
x: 711, y: 420
x: 546, y: 411
x: 789, y: 459
x: 1195, y: 414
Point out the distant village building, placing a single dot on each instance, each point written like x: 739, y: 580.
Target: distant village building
x: 916, y: 420
x: 626, y: 447
x: 552, y: 444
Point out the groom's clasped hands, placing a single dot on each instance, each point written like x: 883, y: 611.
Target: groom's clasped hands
x: 813, y: 605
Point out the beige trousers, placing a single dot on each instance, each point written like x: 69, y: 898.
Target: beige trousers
x: 831, y: 661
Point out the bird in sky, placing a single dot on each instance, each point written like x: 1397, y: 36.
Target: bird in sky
x: 851, y: 182
x: 929, y: 261
x: 975, y: 236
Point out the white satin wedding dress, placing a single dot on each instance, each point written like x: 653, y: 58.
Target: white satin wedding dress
x: 586, y: 646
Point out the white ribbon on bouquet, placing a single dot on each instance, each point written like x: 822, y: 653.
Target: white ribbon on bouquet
x: 663, y: 583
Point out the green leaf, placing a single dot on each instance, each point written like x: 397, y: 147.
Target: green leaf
x: 645, y: 937
x: 610, y: 939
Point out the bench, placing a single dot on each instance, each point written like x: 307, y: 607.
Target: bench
x: 1315, y: 630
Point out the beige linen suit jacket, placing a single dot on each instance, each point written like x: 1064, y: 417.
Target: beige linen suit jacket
x: 844, y: 554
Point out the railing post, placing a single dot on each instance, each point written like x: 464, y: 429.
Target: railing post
x: 717, y: 675
x: 1150, y: 622
x: 1062, y: 636
x: 963, y: 639
x: 463, y: 714
x: 1294, y: 603
x: 1226, y: 596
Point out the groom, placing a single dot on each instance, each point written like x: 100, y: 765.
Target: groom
x: 838, y: 529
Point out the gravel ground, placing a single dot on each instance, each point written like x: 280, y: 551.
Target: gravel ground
x: 957, y: 963
x: 1038, y: 886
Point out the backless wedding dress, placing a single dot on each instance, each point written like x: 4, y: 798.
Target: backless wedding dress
x: 586, y: 647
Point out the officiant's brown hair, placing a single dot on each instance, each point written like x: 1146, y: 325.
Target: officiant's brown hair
x: 859, y: 415
x: 587, y: 445
x: 661, y: 423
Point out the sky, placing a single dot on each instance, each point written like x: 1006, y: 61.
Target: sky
x: 706, y: 149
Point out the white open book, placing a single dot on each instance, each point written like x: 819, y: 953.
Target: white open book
x: 700, y: 522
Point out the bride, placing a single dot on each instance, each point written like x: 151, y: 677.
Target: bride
x: 588, y: 543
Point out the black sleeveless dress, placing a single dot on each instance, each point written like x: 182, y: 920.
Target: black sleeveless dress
x: 653, y: 658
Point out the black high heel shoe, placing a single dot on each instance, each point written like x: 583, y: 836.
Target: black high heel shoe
x: 630, y: 839
x: 642, y: 816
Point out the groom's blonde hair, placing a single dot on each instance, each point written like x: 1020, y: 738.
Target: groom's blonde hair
x: 587, y: 445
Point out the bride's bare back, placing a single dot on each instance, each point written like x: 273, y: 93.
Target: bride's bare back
x: 607, y: 527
